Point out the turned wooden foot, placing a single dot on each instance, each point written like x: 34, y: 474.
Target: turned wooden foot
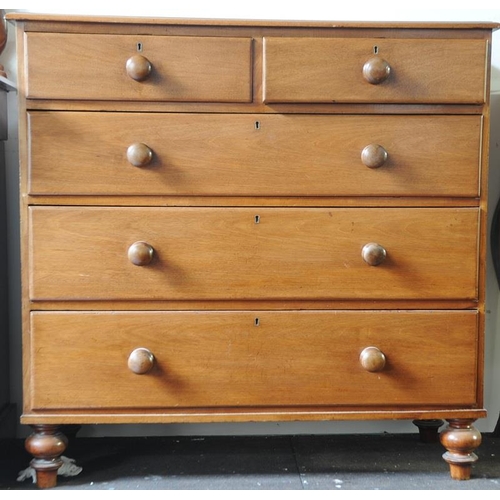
x: 46, y: 445
x: 460, y: 438
x: 428, y: 429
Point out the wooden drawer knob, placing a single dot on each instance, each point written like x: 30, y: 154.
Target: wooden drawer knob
x: 372, y: 359
x: 376, y: 70
x: 374, y: 156
x: 141, y: 360
x: 139, y: 154
x: 373, y: 254
x: 138, y: 68
x: 140, y: 253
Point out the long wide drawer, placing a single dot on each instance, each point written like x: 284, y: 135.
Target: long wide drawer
x: 222, y: 359
x: 79, y: 153
x: 379, y: 70
x: 144, y: 253
x: 138, y: 67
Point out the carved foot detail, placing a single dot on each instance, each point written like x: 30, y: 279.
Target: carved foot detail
x: 460, y: 438
x: 428, y: 429
x: 46, y: 445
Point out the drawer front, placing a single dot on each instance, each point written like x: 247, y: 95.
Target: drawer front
x: 81, y: 253
x: 74, y: 66
x: 326, y: 70
x: 221, y: 359
x: 79, y: 153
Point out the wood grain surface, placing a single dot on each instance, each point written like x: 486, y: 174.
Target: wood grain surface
x: 222, y: 359
x: 78, y: 153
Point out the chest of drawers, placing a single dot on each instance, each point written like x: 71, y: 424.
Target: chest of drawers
x: 242, y: 221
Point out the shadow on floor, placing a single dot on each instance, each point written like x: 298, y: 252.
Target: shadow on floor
x: 316, y: 462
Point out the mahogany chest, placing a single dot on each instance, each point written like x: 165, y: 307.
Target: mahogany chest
x: 252, y: 221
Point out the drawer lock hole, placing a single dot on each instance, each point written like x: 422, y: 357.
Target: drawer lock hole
x: 257, y: 322
x: 139, y: 46
x: 257, y: 125
x: 257, y: 219
x: 375, y: 49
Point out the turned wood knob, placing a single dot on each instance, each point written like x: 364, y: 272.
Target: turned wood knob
x: 374, y: 156
x: 138, y: 68
x: 139, y: 154
x: 372, y: 359
x: 373, y: 254
x: 376, y: 70
x: 141, y: 360
x: 140, y: 253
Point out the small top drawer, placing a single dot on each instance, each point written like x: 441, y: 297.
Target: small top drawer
x: 138, y: 67
x: 377, y: 70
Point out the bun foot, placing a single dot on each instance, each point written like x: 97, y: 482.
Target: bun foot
x: 46, y: 445
x: 460, y: 438
x: 428, y: 430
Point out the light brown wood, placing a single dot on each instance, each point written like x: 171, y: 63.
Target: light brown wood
x: 183, y: 68
x: 256, y: 179
x: 219, y: 359
x: 211, y: 253
x: 246, y: 201
x: 326, y: 70
x: 69, y: 20
x: 238, y: 415
x: 257, y: 107
x: 264, y: 305
x: 253, y: 155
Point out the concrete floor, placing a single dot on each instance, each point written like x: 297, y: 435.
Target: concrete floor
x: 314, y: 462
